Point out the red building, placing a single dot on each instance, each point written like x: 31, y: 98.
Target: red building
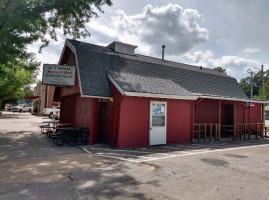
x: 131, y: 100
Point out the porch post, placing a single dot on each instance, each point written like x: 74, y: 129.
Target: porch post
x: 235, y: 135
x: 263, y: 122
x: 219, y: 127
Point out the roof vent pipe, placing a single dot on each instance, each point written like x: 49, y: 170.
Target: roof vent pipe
x: 163, y: 46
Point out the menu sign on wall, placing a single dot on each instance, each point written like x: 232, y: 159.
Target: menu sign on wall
x: 59, y: 75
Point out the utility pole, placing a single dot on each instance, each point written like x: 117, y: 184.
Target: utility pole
x: 263, y: 118
x: 262, y: 83
x: 251, y: 82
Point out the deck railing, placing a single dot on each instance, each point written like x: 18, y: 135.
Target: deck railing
x: 204, y: 128
x: 247, y: 129
x: 206, y: 131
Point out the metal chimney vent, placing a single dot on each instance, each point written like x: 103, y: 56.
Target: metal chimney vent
x: 122, y: 47
x: 163, y: 47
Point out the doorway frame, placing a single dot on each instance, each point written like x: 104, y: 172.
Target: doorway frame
x: 150, y: 120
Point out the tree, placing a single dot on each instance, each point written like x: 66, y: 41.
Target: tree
x: 245, y: 85
x: 257, y: 84
x: 24, y: 22
x: 220, y: 69
x: 15, y: 79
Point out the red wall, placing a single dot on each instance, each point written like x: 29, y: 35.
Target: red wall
x: 127, y: 120
x: 112, y: 115
x: 134, y: 122
x: 95, y: 121
x: 82, y: 111
x: 67, y: 108
x: 179, y: 121
x: 207, y: 111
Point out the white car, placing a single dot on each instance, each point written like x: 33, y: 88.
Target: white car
x: 56, y: 113
x: 49, y: 112
x: 22, y: 108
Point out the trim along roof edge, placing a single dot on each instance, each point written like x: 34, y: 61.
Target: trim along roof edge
x: 233, y: 99
x: 98, y: 97
x: 74, y: 51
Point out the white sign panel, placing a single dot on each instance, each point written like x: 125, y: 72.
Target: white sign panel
x: 60, y: 75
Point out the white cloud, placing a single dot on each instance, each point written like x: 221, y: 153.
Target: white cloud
x: 236, y: 66
x: 171, y: 25
x: 248, y: 51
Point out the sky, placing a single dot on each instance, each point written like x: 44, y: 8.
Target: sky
x: 210, y: 33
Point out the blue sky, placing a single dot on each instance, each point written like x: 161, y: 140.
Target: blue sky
x: 209, y: 33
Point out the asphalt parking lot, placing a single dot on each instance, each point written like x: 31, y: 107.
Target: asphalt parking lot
x: 32, y: 167
x: 161, y: 152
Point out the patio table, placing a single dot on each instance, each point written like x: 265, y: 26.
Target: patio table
x: 67, y: 134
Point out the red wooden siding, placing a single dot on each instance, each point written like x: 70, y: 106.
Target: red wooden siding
x: 206, y: 111
x: 127, y: 120
x: 179, y: 121
x: 95, y: 121
x: 110, y: 123
x: 67, y: 108
x: 112, y: 112
x: 134, y: 122
x: 256, y: 113
x: 82, y: 111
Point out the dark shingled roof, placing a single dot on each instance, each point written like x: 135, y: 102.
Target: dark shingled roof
x: 144, y: 74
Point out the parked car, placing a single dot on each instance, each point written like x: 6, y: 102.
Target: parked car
x: 56, y: 113
x: 48, y: 112
x: 22, y: 108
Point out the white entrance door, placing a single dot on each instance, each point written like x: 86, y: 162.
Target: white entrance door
x: 157, y: 133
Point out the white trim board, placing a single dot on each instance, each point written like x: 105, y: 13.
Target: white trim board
x: 231, y: 99
x: 98, y: 97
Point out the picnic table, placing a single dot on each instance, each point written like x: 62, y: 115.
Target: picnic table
x: 62, y: 125
x: 50, y: 129
x: 69, y: 134
x: 52, y: 122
